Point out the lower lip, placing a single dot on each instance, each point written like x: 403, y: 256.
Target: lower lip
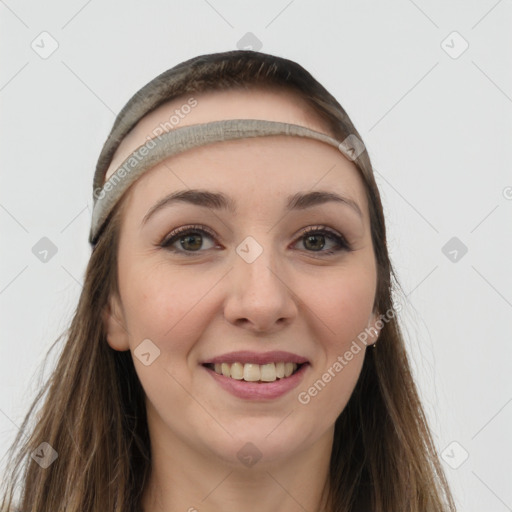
x: 259, y: 391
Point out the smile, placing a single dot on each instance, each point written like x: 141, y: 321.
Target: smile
x: 251, y: 372
x: 253, y: 375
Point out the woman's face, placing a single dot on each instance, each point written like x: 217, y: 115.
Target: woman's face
x: 246, y: 278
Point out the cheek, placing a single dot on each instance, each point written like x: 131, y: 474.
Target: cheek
x: 343, y: 303
x: 345, y: 310
x: 336, y: 385
x: 164, y: 305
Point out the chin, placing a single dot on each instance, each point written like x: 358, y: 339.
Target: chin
x: 260, y: 444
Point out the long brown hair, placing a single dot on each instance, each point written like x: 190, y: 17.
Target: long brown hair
x: 93, y: 413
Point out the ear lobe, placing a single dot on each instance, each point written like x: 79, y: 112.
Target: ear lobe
x: 374, y: 327
x: 113, y: 321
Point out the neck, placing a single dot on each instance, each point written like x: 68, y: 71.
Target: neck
x: 185, y: 479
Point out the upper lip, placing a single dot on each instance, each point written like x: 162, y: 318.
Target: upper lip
x: 246, y: 356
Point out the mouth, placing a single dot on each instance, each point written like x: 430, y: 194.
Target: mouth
x: 256, y: 373
x: 257, y: 376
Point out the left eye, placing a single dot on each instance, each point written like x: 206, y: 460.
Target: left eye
x: 190, y: 238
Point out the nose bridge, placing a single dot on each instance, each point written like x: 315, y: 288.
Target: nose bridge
x: 257, y: 259
x: 259, y: 293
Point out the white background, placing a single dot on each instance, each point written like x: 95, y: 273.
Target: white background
x: 438, y: 130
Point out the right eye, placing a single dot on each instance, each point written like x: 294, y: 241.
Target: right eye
x: 190, y: 238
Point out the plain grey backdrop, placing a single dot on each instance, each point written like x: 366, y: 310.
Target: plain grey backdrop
x: 427, y: 84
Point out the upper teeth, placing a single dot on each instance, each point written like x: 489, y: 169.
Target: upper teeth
x: 253, y: 372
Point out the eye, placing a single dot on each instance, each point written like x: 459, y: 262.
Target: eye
x: 190, y: 238
x: 313, y: 238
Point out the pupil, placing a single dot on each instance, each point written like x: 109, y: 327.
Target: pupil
x: 187, y: 238
x: 313, y: 237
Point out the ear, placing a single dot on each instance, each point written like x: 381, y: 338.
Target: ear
x: 115, y: 327
x: 375, y: 325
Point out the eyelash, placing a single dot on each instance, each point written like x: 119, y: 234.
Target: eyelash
x: 175, y: 235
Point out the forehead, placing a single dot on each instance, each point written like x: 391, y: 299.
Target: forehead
x: 259, y: 176
x: 253, y: 168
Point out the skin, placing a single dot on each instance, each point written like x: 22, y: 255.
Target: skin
x: 290, y: 298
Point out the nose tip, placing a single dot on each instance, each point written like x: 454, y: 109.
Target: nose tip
x: 261, y: 298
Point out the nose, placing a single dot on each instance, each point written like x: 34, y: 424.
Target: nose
x: 260, y: 295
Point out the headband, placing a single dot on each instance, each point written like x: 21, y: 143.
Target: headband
x: 155, y: 150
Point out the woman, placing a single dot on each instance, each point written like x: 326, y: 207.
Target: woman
x: 235, y: 344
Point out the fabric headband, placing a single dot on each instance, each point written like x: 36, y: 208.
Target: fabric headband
x: 155, y: 150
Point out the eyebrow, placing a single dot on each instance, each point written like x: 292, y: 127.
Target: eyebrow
x: 220, y: 201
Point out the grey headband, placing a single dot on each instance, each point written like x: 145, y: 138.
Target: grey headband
x: 155, y: 150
